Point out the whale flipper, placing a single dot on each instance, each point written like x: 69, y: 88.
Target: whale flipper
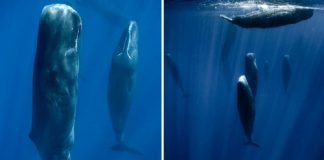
x: 122, y: 147
x: 226, y: 17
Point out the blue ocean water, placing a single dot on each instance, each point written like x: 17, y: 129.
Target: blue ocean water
x: 103, y: 23
x: 209, y: 52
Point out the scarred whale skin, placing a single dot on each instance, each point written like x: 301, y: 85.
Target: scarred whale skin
x: 246, y: 109
x: 271, y: 18
x: 55, y: 76
x: 120, y: 85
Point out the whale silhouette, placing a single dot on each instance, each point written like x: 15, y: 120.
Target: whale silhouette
x: 55, y: 76
x: 271, y: 17
x: 173, y: 68
x: 251, y: 72
x: 246, y: 109
x: 120, y: 85
x: 286, y: 71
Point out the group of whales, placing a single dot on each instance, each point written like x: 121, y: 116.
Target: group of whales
x: 247, y: 89
x: 248, y: 83
x: 55, y: 86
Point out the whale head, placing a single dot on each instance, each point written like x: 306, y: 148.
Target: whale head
x: 286, y: 57
x: 126, y: 52
x: 58, y: 39
x: 250, y: 57
x: 242, y: 81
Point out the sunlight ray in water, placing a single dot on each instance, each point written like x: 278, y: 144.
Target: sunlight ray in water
x: 212, y: 51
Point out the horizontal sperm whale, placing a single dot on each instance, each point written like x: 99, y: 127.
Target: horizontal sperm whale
x: 271, y: 16
x: 55, y: 76
x: 120, y: 85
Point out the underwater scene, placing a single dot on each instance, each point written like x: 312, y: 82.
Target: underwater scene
x: 80, y: 79
x: 243, y: 80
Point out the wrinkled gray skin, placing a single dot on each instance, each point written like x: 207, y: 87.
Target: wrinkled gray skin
x: 246, y: 109
x: 271, y: 18
x: 286, y: 71
x: 121, y: 79
x: 251, y: 72
x: 55, y: 76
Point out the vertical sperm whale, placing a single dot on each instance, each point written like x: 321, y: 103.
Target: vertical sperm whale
x: 246, y: 109
x: 173, y: 68
x: 286, y: 71
x: 120, y: 85
x: 56, y: 68
x: 251, y: 72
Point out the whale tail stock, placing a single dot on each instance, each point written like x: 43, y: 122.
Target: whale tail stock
x: 226, y: 17
x: 252, y: 143
x: 122, y: 147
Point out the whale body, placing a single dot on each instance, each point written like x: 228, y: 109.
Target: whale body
x: 120, y: 85
x: 56, y: 68
x: 266, y: 70
x: 246, y: 109
x: 286, y: 71
x: 251, y: 72
x: 173, y: 68
x: 271, y: 17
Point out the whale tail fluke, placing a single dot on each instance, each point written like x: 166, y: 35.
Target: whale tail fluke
x: 226, y: 17
x: 252, y: 143
x: 121, y: 147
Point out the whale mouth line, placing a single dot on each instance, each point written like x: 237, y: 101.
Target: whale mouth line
x: 128, y: 41
x: 132, y: 35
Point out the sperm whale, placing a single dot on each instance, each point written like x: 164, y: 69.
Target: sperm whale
x: 271, y: 16
x: 173, y: 68
x: 251, y: 72
x: 55, y: 76
x: 246, y: 109
x: 120, y: 85
x: 286, y: 71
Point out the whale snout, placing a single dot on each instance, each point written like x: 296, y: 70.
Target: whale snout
x: 126, y: 53
x: 132, y: 29
x: 127, y: 48
x: 250, y: 57
x: 131, y: 50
